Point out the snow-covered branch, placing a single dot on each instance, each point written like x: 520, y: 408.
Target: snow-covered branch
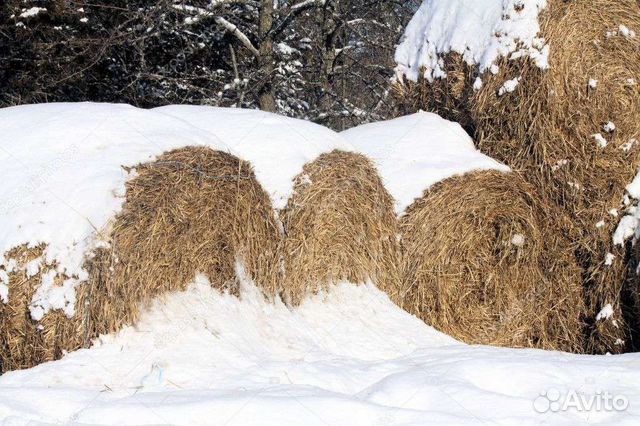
x: 229, y: 26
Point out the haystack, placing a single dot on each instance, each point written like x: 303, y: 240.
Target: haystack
x: 484, y: 262
x: 193, y: 210
x: 573, y: 128
x: 339, y: 225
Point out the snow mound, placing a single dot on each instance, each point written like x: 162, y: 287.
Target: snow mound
x: 416, y: 151
x: 65, y: 181
x: 349, y: 357
x: 481, y: 31
x: 276, y: 146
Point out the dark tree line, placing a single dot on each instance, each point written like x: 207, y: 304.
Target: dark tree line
x: 325, y: 60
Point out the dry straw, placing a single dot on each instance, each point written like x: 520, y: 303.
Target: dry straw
x: 194, y: 210
x: 484, y: 262
x: 340, y: 225
x: 546, y: 127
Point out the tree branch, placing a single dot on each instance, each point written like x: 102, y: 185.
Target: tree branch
x: 229, y: 26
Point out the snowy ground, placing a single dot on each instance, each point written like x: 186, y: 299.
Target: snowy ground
x: 346, y: 358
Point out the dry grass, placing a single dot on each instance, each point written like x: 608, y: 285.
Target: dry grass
x: 545, y: 129
x: 484, y: 262
x: 340, y: 225
x: 194, y: 210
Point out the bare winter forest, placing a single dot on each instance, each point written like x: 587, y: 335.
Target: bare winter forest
x: 329, y: 61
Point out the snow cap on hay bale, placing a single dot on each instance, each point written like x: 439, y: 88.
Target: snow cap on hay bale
x: 414, y: 152
x: 562, y: 105
x: 483, y: 262
x: 339, y: 225
x: 193, y: 210
x: 276, y: 146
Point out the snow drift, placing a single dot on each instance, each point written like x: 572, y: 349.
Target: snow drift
x: 345, y: 357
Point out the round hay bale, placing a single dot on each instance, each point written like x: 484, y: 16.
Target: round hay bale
x: 340, y: 225
x: 193, y: 210
x: 483, y: 261
x: 548, y: 127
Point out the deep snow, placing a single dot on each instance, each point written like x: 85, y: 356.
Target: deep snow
x: 64, y: 179
x: 347, y: 358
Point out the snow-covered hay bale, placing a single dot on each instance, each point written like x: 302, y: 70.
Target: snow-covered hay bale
x: 481, y: 257
x: 552, y: 88
x: 193, y: 210
x: 484, y: 262
x: 340, y: 226
x: 95, y: 220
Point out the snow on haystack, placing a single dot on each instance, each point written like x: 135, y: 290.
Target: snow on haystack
x: 275, y: 145
x: 64, y: 179
x: 481, y: 31
x: 416, y: 151
x: 349, y: 357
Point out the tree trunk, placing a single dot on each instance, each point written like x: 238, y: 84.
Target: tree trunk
x: 330, y: 37
x: 266, y: 97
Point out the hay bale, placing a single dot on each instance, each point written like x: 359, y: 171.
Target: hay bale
x: 545, y: 127
x: 483, y: 261
x: 193, y: 210
x: 340, y: 225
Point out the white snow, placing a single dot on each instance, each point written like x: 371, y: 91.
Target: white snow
x: 634, y: 187
x: 609, y: 258
x: 277, y: 146
x: 626, y: 228
x: 4, y: 289
x: 477, y: 84
x: 629, y: 225
x: 509, y: 86
x: 518, y: 240
x: 482, y: 31
x: 609, y: 126
x: 626, y: 31
x: 349, y: 357
x: 200, y: 357
x: 31, y: 12
x: 64, y: 180
x: 416, y: 151
x: 593, y: 83
x: 605, y: 313
x: 600, y: 140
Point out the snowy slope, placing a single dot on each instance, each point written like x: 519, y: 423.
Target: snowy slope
x: 482, y: 31
x: 347, y: 358
x: 64, y: 179
x: 274, y: 144
x: 416, y: 151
